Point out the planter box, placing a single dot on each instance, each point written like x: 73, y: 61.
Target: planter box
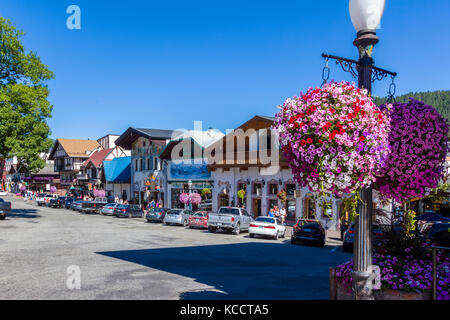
x: 384, y: 294
x: 400, y: 295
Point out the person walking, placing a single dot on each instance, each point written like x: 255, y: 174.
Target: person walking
x: 283, y: 215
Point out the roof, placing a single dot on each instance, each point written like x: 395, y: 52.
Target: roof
x: 49, y: 169
x: 200, y: 140
x: 75, y: 147
x: 117, y: 170
x: 131, y: 134
x: 97, y: 157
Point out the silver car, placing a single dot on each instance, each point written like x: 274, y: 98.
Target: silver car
x: 178, y: 217
x: 108, y: 210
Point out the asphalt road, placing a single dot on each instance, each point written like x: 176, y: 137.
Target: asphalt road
x: 133, y: 259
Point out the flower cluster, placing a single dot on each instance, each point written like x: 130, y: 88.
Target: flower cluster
x: 99, y: 193
x: 418, y: 142
x: 334, y: 138
x: 409, y: 274
x: 184, y: 198
x: 193, y: 198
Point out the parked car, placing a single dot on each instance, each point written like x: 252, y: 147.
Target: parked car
x: 199, y: 220
x: 231, y: 219
x: 349, y: 236
x: 308, y: 230
x: 49, y: 197
x: 68, y: 202
x: 439, y: 233
x: 267, y: 227
x: 156, y: 214
x: 343, y: 227
x: 78, y: 205
x: 3, y: 193
x: 5, y: 209
x: 57, y: 202
x: 94, y: 206
x: 128, y: 211
x: 75, y: 204
x: 178, y: 217
x: 108, y: 209
x: 40, y: 199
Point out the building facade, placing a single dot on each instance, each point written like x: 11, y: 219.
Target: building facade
x: 148, y: 178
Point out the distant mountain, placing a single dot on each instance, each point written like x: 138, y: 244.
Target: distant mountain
x: 438, y: 99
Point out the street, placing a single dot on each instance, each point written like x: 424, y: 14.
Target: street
x: 133, y: 259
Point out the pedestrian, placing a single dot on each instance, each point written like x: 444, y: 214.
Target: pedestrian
x: 282, y: 214
x: 271, y: 213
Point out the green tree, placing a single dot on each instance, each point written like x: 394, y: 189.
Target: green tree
x: 24, y: 105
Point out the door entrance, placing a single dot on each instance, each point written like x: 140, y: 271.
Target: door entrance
x: 256, y: 208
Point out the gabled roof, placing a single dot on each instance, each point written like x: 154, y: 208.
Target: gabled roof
x: 117, y: 170
x: 131, y: 134
x: 199, y: 139
x: 97, y: 157
x: 75, y: 147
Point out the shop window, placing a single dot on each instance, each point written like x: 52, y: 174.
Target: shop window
x: 273, y: 188
x: 257, y: 189
x: 290, y: 189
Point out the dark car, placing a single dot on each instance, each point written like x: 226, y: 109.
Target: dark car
x: 307, y: 230
x: 69, y: 202
x: 57, y: 202
x: 439, y: 234
x: 128, y: 211
x: 77, y: 205
x: 349, y: 237
x: 87, y: 207
x: 343, y: 227
x: 156, y: 214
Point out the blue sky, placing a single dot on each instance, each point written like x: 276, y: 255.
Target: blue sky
x: 161, y: 64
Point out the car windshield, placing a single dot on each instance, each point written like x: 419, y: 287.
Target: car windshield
x: 157, y: 210
x: 200, y: 214
x: 229, y: 211
x: 309, y: 223
x: 268, y: 220
x: 175, y: 212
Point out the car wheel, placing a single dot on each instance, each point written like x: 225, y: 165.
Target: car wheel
x: 293, y: 241
x: 191, y: 227
x: 276, y: 236
x: 237, y: 229
x: 251, y: 235
x: 185, y: 223
x: 2, y: 217
x: 212, y: 230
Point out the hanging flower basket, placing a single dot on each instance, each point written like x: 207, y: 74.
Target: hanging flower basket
x: 206, y: 191
x: 184, y: 198
x: 418, y: 142
x: 195, y: 198
x: 282, y: 195
x: 334, y: 138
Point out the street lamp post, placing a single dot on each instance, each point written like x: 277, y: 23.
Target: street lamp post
x: 190, y: 190
x: 366, y: 17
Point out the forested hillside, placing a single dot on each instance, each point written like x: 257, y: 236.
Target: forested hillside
x: 438, y: 99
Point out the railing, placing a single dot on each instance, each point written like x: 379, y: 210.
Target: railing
x: 434, y: 249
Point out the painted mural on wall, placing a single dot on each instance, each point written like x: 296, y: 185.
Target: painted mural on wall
x: 182, y: 171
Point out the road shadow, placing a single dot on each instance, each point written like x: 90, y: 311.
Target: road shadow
x: 245, y: 271
x: 24, y: 214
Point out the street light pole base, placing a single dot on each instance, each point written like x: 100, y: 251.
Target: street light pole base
x: 361, y: 291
